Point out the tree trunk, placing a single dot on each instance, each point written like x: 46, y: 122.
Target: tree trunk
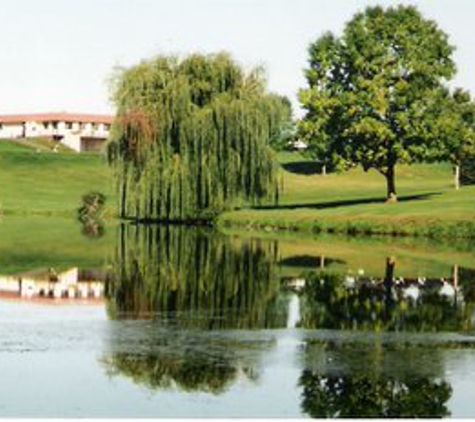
x: 123, y: 201
x: 391, y: 195
x: 388, y: 283
x: 324, y: 170
x: 457, y: 177
x: 389, y: 273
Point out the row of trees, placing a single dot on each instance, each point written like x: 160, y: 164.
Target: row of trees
x: 193, y: 135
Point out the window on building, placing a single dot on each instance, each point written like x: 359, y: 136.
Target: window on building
x: 1, y: 126
x: 69, y: 125
x: 55, y: 125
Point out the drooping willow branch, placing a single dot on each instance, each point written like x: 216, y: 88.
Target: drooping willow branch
x: 191, y: 138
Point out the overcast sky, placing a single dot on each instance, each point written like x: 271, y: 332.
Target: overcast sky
x: 58, y: 54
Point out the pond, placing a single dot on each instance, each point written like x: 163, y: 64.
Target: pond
x: 190, y: 322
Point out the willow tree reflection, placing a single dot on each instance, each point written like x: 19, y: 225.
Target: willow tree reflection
x: 331, y: 300
x: 190, y: 284
x: 195, y: 363
x: 196, y: 277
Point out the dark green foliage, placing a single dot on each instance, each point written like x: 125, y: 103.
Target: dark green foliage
x: 467, y: 172
x: 192, y: 137
x: 373, y: 93
x: 189, y: 373
x: 196, y: 277
x: 373, y: 397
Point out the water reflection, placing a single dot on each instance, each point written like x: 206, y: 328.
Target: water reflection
x: 201, y: 292
x: 45, y: 284
x: 332, y: 300
x: 379, y: 377
x: 190, y: 310
x: 195, y: 277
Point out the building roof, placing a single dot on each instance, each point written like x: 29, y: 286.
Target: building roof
x: 56, y: 117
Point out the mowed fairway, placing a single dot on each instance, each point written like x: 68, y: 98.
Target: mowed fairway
x: 40, y: 182
x: 355, y: 201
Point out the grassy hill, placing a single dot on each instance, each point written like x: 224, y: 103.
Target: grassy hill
x: 34, y: 180
x: 353, y: 202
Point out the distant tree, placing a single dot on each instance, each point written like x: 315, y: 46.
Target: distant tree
x: 283, y: 133
x: 372, y: 92
x: 457, y: 126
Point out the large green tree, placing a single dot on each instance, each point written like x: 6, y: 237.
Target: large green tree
x: 192, y: 136
x: 372, y: 95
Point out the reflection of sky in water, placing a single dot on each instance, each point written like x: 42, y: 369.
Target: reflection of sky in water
x: 67, y: 348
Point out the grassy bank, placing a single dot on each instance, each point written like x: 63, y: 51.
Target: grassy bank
x: 353, y: 203
x: 34, y: 180
x: 413, y: 257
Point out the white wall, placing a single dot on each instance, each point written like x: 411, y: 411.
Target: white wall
x: 11, y: 130
x: 72, y: 140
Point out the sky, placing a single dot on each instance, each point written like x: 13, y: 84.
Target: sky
x: 59, y: 55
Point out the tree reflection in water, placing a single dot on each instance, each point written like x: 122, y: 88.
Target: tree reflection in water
x: 190, y: 278
x: 331, y: 300
x: 192, y: 371
x: 374, y: 379
x: 192, y: 288
x: 363, y: 396
x: 195, y: 277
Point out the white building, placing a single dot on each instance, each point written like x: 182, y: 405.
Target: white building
x: 80, y: 132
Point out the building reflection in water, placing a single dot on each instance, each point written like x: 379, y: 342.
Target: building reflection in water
x: 46, y: 284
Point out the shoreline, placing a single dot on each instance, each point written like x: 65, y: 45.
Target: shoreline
x: 431, y: 229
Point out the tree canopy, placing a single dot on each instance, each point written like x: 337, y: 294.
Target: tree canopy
x: 192, y: 137
x: 372, y: 95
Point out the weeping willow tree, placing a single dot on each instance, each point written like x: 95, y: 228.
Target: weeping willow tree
x: 196, y: 278
x: 192, y: 137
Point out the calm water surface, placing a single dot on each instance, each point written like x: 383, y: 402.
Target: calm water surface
x: 185, y: 322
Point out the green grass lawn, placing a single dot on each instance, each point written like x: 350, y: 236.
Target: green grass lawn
x: 38, y: 181
x: 354, y: 202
